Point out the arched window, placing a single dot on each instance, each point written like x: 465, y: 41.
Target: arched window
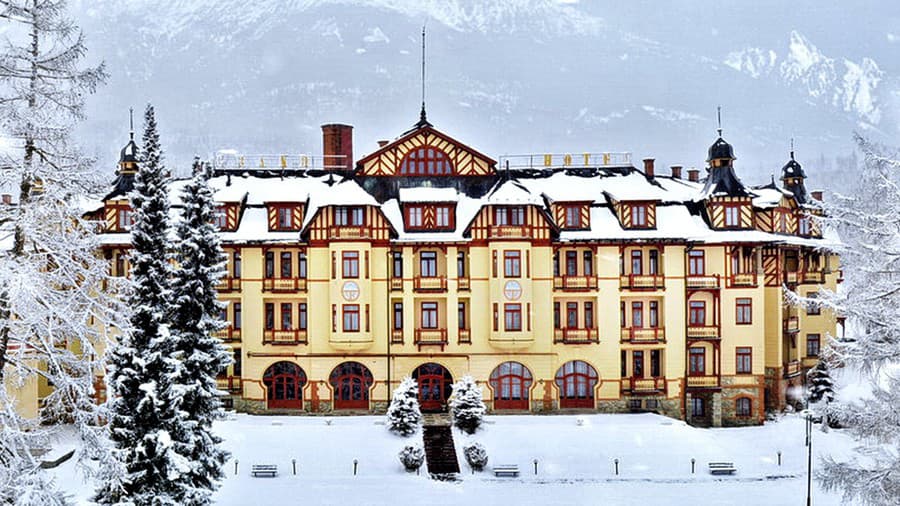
x: 435, y: 383
x: 426, y: 161
x: 284, y: 385
x: 351, y: 382
x: 743, y: 407
x: 511, y: 382
x: 576, y: 381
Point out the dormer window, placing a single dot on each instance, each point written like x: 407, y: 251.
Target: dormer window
x: 220, y: 219
x: 349, y: 216
x: 639, y: 215
x: 732, y: 216
x: 285, y: 217
x: 125, y: 218
x: 415, y: 217
x: 804, y: 225
x: 573, y: 216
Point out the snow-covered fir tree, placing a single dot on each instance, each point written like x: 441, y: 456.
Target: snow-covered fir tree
x: 50, y: 275
x: 821, y: 386
x: 869, y: 228
x: 467, y: 405
x: 196, y: 317
x: 403, y: 415
x: 142, y: 364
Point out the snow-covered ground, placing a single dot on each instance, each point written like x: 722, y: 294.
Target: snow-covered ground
x: 575, y: 462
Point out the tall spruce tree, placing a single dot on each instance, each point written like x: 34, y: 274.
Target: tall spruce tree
x: 196, y: 317
x: 143, y: 366
x: 50, y: 274
x: 821, y: 386
x: 869, y: 228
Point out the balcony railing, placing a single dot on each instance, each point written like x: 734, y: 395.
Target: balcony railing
x: 510, y: 232
x: 430, y: 284
x: 791, y: 277
x: 792, y: 368
x: 230, y: 384
x: 644, y: 335
x: 745, y: 279
x: 644, y: 385
x: 643, y: 281
x: 702, y: 381
x: 431, y: 336
x: 229, y: 335
x: 465, y: 336
x: 396, y: 284
x: 792, y: 324
x: 703, y: 332
x: 284, y: 336
x: 284, y: 284
x: 702, y: 281
x: 813, y: 277
x: 229, y: 284
x: 575, y: 336
x: 463, y: 284
x: 396, y: 336
x: 547, y: 160
x: 348, y: 232
x: 575, y: 283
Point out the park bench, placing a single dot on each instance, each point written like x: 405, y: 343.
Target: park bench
x: 721, y: 468
x: 264, y: 470
x: 511, y: 470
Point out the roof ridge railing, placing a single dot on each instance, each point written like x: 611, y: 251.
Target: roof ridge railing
x: 243, y: 161
x: 565, y: 160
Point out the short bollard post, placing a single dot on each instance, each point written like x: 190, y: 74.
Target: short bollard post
x: 235, y: 466
x: 355, y: 463
x: 616, y: 461
x: 535, y: 467
x: 693, y: 461
x: 779, y: 457
x: 294, y: 465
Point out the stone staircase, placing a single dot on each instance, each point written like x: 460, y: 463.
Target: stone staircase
x: 440, y: 453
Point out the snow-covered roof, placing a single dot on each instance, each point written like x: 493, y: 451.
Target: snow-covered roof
x: 428, y: 195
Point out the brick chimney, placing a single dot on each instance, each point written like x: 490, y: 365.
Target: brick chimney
x: 694, y: 175
x: 7, y: 199
x: 817, y: 195
x: 337, y: 146
x: 648, y: 167
x: 676, y: 172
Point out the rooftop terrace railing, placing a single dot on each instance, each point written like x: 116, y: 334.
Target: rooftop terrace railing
x: 565, y: 160
x: 240, y: 161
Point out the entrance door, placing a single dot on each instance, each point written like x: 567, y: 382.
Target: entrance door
x: 351, y: 382
x: 284, y: 385
x: 434, y: 387
x: 511, y: 382
x: 576, y: 381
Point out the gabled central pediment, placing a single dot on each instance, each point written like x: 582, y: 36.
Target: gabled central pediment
x: 425, y: 151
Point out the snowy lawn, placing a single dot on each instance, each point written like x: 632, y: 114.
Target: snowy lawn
x: 575, y: 462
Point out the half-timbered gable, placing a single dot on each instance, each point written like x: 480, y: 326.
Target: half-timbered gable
x: 571, y: 215
x: 285, y: 216
x: 730, y: 213
x: 228, y: 216
x: 425, y: 151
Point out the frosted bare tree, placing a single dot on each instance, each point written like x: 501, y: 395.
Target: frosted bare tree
x: 869, y: 225
x: 52, y: 305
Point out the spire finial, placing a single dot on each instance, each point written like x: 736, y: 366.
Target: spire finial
x: 719, y: 116
x: 792, y: 148
x: 422, y: 114
x: 131, y: 122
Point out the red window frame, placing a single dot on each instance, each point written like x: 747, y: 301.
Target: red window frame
x: 512, y: 264
x: 731, y: 215
x: 220, y: 218
x: 813, y: 345
x: 428, y: 315
x: 653, y: 314
x: 697, y: 361
x: 696, y: 263
x: 350, y: 264
x: 286, y: 259
x: 637, y: 315
x: 743, y: 311
x: 426, y: 161
x: 428, y: 264
x: 512, y: 317
x: 571, y: 315
x: 349, y: 216
x: 417, y: 212
x: 350, y: 317
x: 640, y: 215
x: 697, y: 313
x: 573, y: 217
x: 511, y: 383
x: 743, y: 407
x: 637, y: 262
x: 571, y: 263
x: 743, y: 360
x: 509, y: 216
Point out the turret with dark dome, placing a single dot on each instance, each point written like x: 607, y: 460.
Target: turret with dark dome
x: 720, y: 151
x: 793, y: 178
x: 127, y: 167
x: 721, y: 179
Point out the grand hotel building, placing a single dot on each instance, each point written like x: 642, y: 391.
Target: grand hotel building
x: 559, y: 282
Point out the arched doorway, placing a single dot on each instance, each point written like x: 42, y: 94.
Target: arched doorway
x: 576, y: 381
x: 434, y: 386
x: 284, y: 385
x: 511, y: 382
x: 351, y: 382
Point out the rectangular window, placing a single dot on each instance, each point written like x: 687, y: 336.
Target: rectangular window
x: 804, y: 226
x: 351, y: 317
x: 588, y: 315
x: 698, y: 407
x: 512, y: 317
x: 352, y: 216
x: 237, y: 317
x: 512, y: 262
x: 461, y: 315
x: 639, y: 215
x: 813, y: 308
x: 286, y: 313
x: 270, y: 316
x: 572, y: 315
x: 588, y: 263
x: 350, y: 264
x: 637, y: 314
x: 286, y: 260
x: 637, y: 363
x: 415, y: 216
x: 301, y: 265
x: 442, y: 217
x: 516, y: 215
x: 813, y: 343
x: 428, y: 264
x: 285, y: 219
x: 429, y: 315
x: 744, y: 360
x: 120, y: 264
x: 237, y: 369
x: 697, y: 313
x: 697, y: 362
x: 637, y: 262
x: 571, y: 263
x: 302, y: 316
x: 341, y: 216
x: 654, y: 314
x: 270, y: 264
x: 220, y: 218
x: 556, y: 264
x: 126, y: 218
x: 460, y: 264
x: 557, y: 323
x: 655, y: 363
x: 236, y: 264
x: 397, y: 264
x: 696, y: 263
x: 398, y: 315
x: 743, y: 407
x: 500, y: 216
x: 622, y: 314
x: 654, y: 262
x: 496, y: 318
x: 732, y: 216
x: 623, y: 360
x: 744, y: 311
x: 357, y: 217
x: 573, y: 216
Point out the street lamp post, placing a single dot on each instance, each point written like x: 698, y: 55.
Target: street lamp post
x: 809, y: 460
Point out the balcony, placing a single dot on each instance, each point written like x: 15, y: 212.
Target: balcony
x: 465, y: 336
x: 284, y: 285
x: 703, y: 332
x: 229, y: 335
x: 791, y: 277
x: 396, y: 336
x: 284, y: 337
x: 463, y: 284
x: 430, y: 284
x: 644, y: 385
x: 396, y: 284
x: 575, y: 336
x: 229, y: 284
x: 792, y: 324
x: 792, y: 369
x: 743, y: 280
x: 702, y: 282
x: 575, y: 283
x: 642, y: 281
x: 703, y: 382
x: 644, y: 335
x: 428, y: 337
x: 230, y: 384
x: 348, y: 232
x: 812, y: 277
x: 510, y: 232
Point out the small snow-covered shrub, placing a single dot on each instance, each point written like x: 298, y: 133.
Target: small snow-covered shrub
x: 467, y: 405
x: 476, y: 456
x: 403, y: 415
x: 412, y: 457
x: 579, y: 421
